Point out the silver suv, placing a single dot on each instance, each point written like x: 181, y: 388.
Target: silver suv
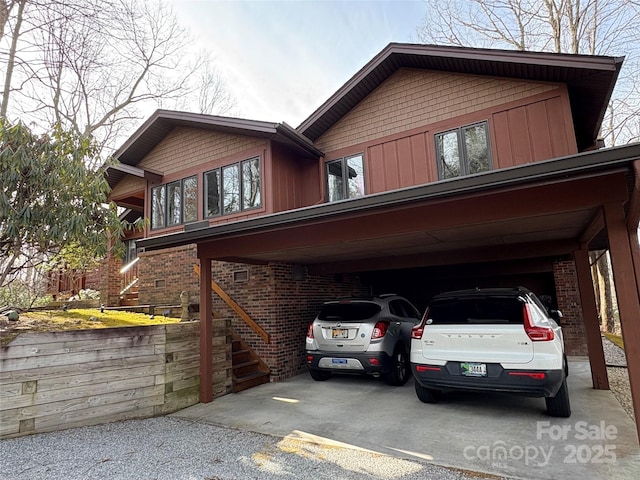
x: 500, y: 339
x: 362, y: 335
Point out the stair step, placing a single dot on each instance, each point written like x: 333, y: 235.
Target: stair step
x: 249, y: 380
x: 246, y: 368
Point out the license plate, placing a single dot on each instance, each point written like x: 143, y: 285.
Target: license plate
x: 342, y: 361
x: 340, y: 333
x: 473, y: 369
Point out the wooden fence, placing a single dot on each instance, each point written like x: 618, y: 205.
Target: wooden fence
x: 57, y: 380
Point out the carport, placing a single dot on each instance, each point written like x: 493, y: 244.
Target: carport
x: 558, y: 208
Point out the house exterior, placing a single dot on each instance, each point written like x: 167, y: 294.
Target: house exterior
x: 431, y: 168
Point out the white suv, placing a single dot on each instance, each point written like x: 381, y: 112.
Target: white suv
x: 499, y: 339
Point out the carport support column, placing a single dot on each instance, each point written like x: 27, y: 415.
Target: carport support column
x: 625, y: 279
x: 206, y: 332
x: 590, y: 318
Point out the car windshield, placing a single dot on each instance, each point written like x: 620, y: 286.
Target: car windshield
x: 488, y: 310
x: 349, y: 312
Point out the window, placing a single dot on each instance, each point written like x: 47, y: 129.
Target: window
x: 345, y: 178
x: 130, y: 251
x: 463, y: 151
x: 233, y: 188
x: 402, y: 308
x: 174, y: 203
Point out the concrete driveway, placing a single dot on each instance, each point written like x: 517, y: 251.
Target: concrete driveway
x: 491, y: 433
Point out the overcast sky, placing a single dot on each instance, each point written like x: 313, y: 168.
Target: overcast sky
x: 283, y: 59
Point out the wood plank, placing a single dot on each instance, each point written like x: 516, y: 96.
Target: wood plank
x: 74, y: 358
x: 193, y: 371
x: 9, y: 390
x: 189, y: 345
x: 175, y: 401
x: 138, y: 408
x: 93, y: 334
x: 70, y: 381
x: 186, y: 383
x: 30, y: 405
x: 177, y: 330
x: 79, y: 368
x: 78, y: 345
x: 539, y: 127
x: 9, y: 428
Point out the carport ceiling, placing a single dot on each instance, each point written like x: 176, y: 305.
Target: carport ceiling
x: 541, y: 229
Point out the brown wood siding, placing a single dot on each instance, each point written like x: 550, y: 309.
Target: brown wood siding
x: 188, y: 148
x: 128, y: 185
x: 295, y: 181
x: 414, y: 98
x: 531, y: 133
x: 519, y: 133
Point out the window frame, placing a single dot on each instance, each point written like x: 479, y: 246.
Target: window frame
x: 344, y: 166
x: 166, y: 207
x: 241, y: 188
x: 462, y: 149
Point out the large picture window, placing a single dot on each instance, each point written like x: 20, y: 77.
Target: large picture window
x: 233, y: 188
x: 345, y: 178
x: 463, y: 151
x: 174, y: 203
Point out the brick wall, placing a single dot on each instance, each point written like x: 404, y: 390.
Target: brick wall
x: 164, y: 274
x: 414, y: 98
x: 568, y: 298
x: 110, y: 281
x: 284, y: 307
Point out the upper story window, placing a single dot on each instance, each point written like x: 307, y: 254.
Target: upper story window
x: 463, y: 151
x: 232, y: 188
x: 174, y: 203
x: 345, y: 178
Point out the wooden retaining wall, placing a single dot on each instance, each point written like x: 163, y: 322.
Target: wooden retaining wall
x: 57, y: 380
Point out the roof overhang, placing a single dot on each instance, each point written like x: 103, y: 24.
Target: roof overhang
x: 590, y: 80
x: 161, y: 122
x: 115, y: 173
x: 356, y: 229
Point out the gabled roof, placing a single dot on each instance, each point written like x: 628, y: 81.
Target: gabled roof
x: 590, y: 80
x: 158, y: 125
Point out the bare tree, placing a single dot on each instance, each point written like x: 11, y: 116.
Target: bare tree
x: 95, y: 66
x: 595, y: 27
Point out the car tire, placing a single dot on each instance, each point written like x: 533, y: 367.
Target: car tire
x: 427, y: 395
x: 399, y: 371
x: 559, y: 406
x: 319, y: 375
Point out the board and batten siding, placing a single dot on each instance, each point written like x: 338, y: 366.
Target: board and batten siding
x: 57, y: 380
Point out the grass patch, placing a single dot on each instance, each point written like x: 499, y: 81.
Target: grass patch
x: 92, y: 318
x: 615, y: 339
x: 75, y: 319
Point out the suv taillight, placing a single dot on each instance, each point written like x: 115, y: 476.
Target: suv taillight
x: 536, y: 333
x: 379, y: 330
x: 417, y: 331
x: 310, y: 331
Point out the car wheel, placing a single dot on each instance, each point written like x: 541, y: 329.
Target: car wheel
x: 319, y: 375
x: 427, y: 395
x: 399, y: 372
x: 559, y: 405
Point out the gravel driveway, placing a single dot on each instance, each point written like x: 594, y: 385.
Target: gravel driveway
x: 171, y: 449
